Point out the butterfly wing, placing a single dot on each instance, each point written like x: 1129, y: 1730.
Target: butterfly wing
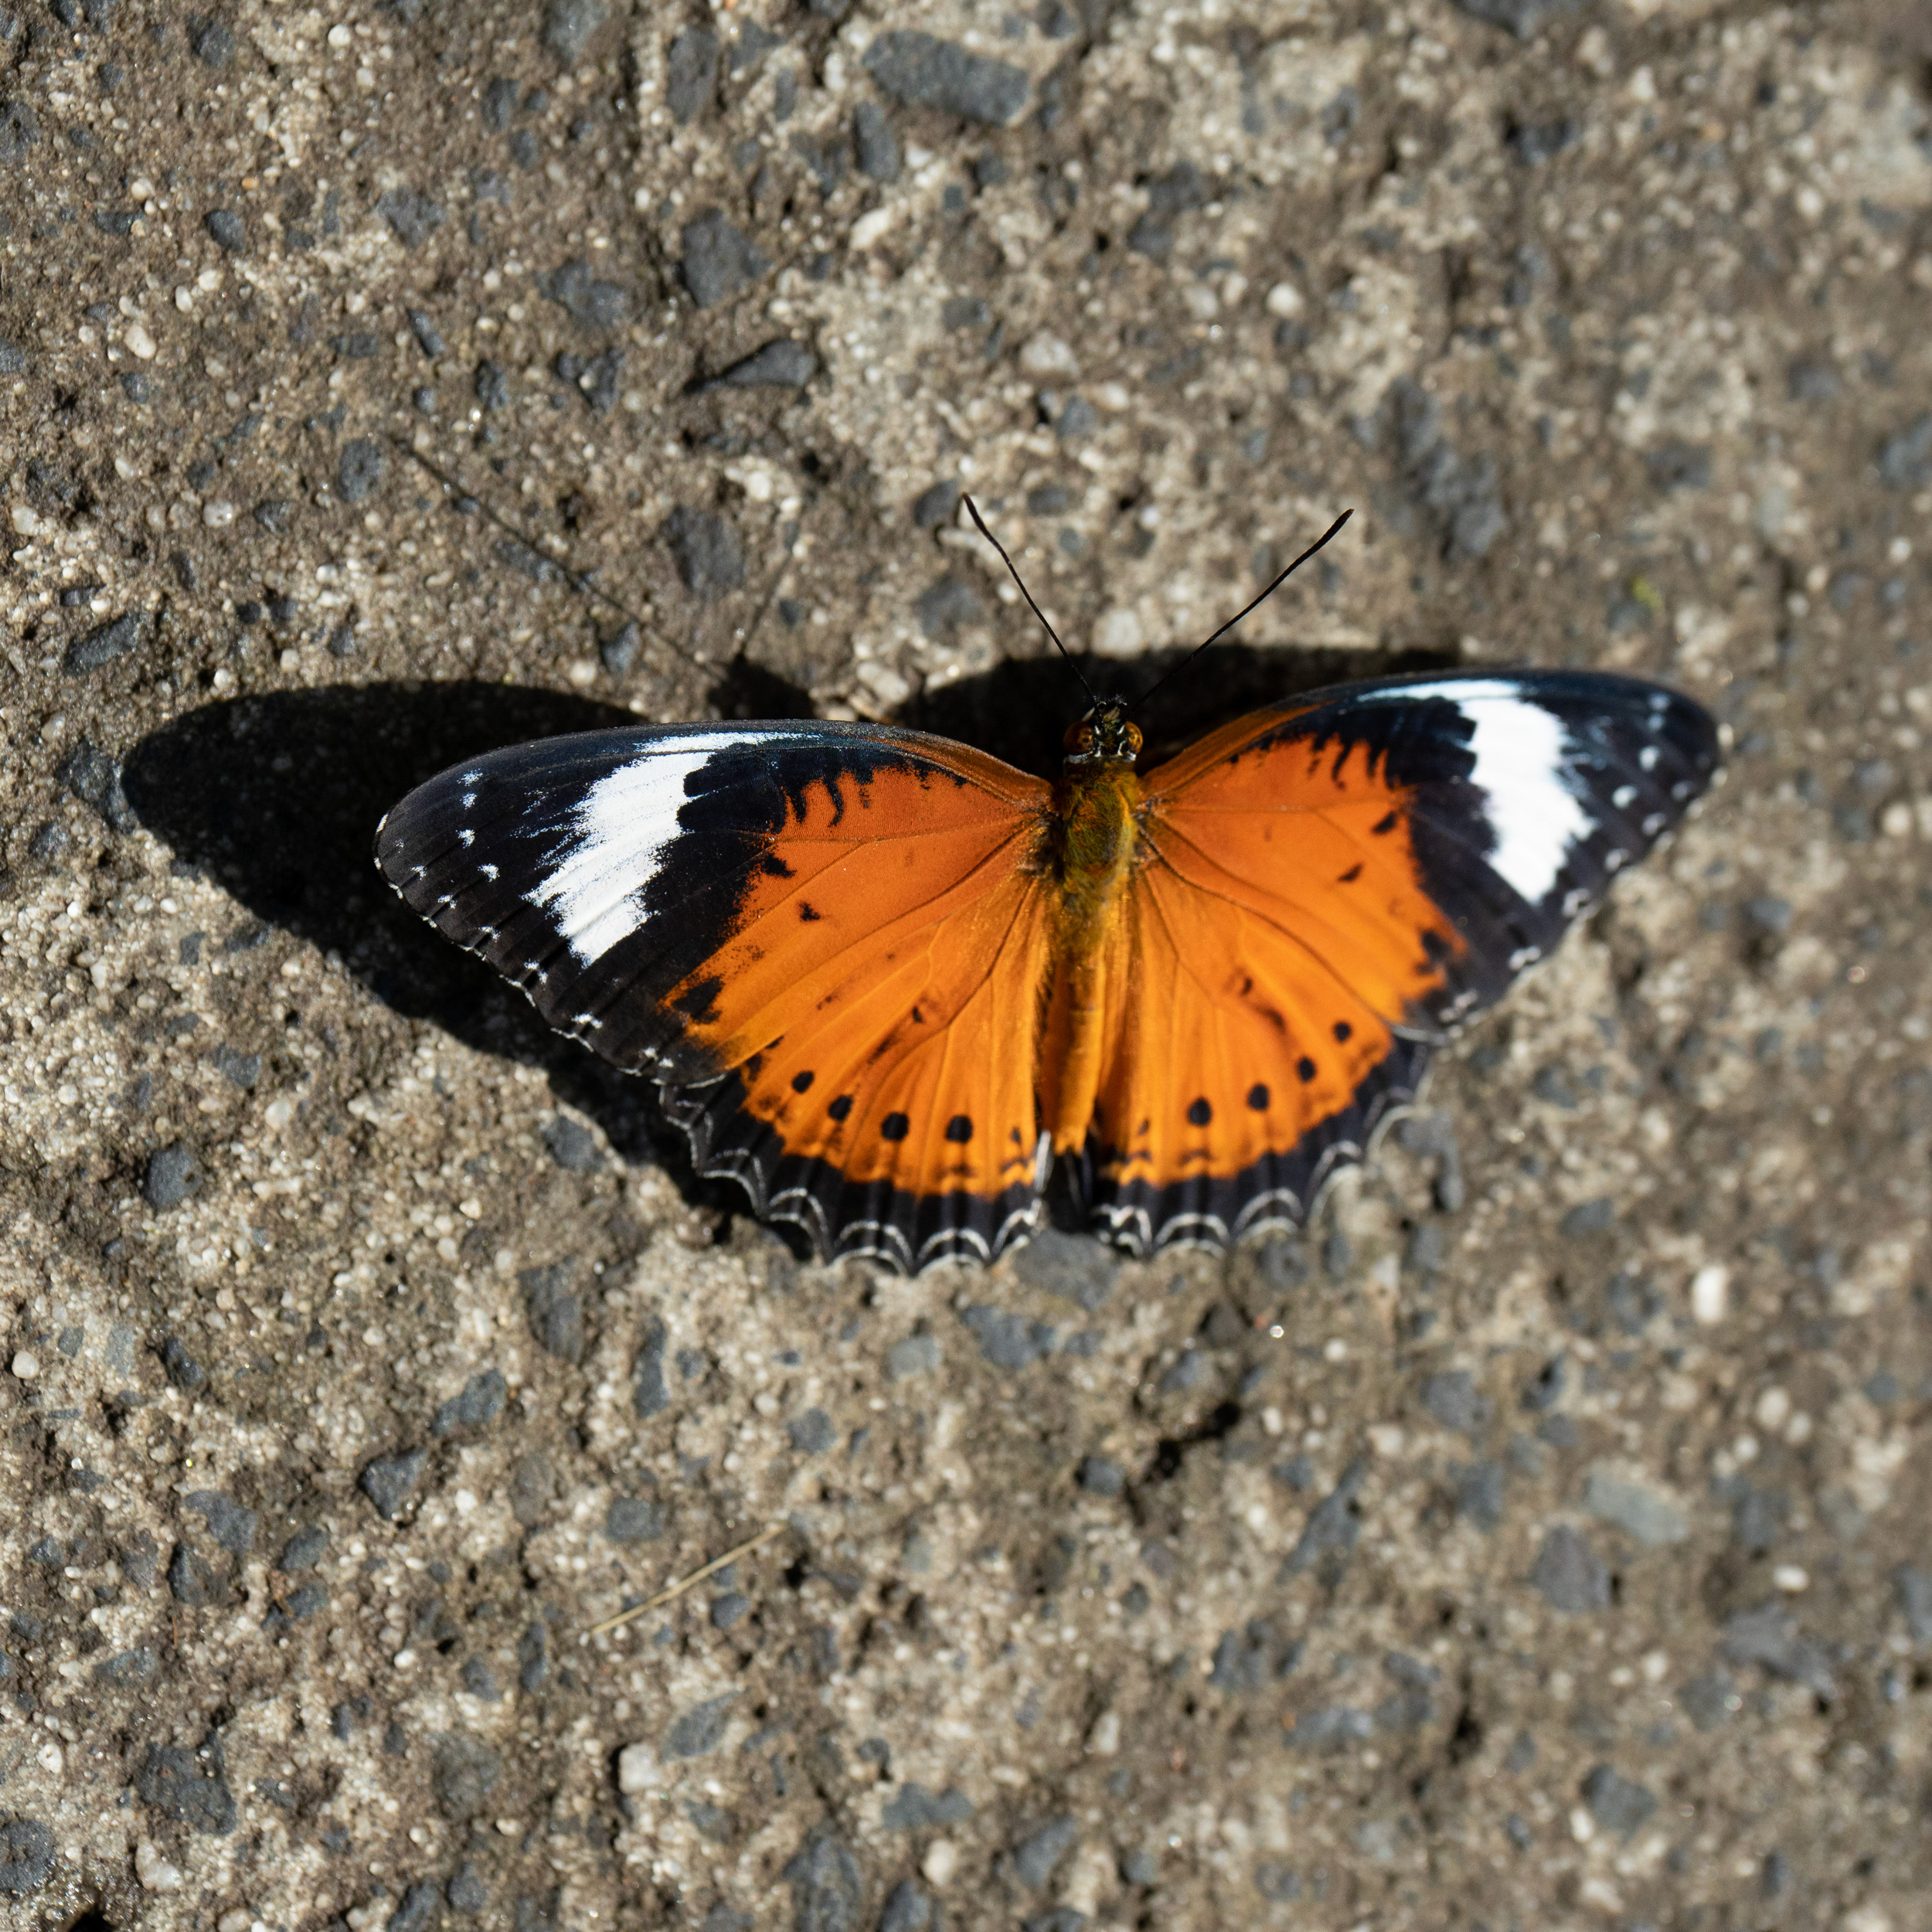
x: 1328, y: 889
x: 826, y: 943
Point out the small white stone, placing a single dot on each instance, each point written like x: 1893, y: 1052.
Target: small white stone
x: 139, y: 341
x: 1710, y: 1294
x: 1284, y: 300
x: 941, y: 1861
x: 25, y: 521
x: 237, y: 1920
x: 1105, y: 1739
x: 26, y: 1364
x: 872, y: 224
x: 340, y: 35
x: 154, y: 1871
x: 1118, y: 634
x: 1774, y: 1410
x: 638, y: 1769
x: 218, y: 515
x: 1791, y: 1578
x: 1046, y: 354
x: 50, y: 1760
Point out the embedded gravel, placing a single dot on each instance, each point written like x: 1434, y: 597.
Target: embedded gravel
x: 1539, y: 1541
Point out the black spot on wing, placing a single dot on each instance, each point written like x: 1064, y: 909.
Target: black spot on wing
x: 894, y: 1126
x: 1199, y: 1113
x: 1258, y: 1096
x: 841, y: 1108
x: 959, y: 1129
x: 801, y: 1082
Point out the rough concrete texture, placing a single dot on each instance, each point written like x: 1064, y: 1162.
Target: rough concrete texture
x: 1541, y: 1541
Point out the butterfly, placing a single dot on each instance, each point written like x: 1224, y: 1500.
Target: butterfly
x: 883, y: 980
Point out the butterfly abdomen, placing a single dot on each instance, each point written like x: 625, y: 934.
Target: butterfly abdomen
x: 1097, y: 837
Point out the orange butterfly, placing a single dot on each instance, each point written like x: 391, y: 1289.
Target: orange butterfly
x: 883, y: 980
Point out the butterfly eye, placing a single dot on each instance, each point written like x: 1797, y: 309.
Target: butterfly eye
x: 1131, y: 737
x: 1080, y: 738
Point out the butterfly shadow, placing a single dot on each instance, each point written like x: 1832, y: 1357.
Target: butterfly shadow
x: 277, y: 797
x: 1020, y: 709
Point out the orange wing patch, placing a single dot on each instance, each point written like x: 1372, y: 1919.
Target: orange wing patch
x: 879, y: 997
x: 1274, y: 942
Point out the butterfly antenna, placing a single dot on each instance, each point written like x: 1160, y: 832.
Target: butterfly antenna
x: 979, y: 524
x: 582, y: 580
x: 1317, y: 544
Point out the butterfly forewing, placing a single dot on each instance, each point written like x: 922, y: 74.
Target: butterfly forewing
x: 1327, y: 890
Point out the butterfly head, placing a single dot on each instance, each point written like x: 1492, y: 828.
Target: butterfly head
x: 1104, y: 736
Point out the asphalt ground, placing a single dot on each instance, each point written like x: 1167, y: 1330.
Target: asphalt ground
x: 1539, y: 1541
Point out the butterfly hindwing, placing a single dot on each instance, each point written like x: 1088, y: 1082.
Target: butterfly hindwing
x: 1326, y: 889
x: 822, y: 940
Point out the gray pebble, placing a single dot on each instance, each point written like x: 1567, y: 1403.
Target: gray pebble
x: 908, y: 1908
x: 729, y: 1610
x: 412, y: 217
x: 463, y: 1771
x: 468, y: 1893
x: 916, y: 1354
x: 211, y: 42
x: 1455, y: 1402
x: 1650, y: 1519
x: 171, y: 1176
x: 1074, y: 1266
x: 429, y: 337
x: 94, y: 778
x: 619, y: 651
x: 1680, y: 466
x: 272, y: 513
x: 825, y: 1888
x: 134, y: 384
x: 533, y: 1658
x: 104, y: 643
x: 137, y: 1666
x: 231, y: 1525
x: 596, y: 302
x: 1616, y: 1803
x: 188, y: 1787
x: 1007, y: 1341
x: 1904, y: 458
x: 1914, y: 1588
x: 481, y: 1401
x: 303, y: 1550
x: 1709, y: 1700
x: 387, y: 1480
x: 1769, y: 1636
x: 1534, y: 143
x: 226, y: 228
x: 943, y: 607
x: 1035, y: 1855
x: 1330, y: 1729
x: 783, y: 364
x: 491, y: 387
x: 238, y: 1069
x: 573, y: 1146
x: 706, y: 551
x: 359, y: 469
x: 690, y: 74
x: 1569, y: 1574
x: 634, y: 1519
x: 719, y: 260
x: 556, y: 1316
x: 699, y: 1730
x: 1099, y: 1478
x: 568, y: 25
x: 480, y: 1681
x: 913, y: 1808
x: 1588, y: 1218
x: 1521, y: 17
x: 648, y: 1394
x: 19, y: 131
x: 1192, y: 1370
x: 421, y: 1909
x: 811, y: 1433
x: 927, y: 72
x: 879, y: 159
x: 180, y: 1367
x: 13, y: 357
x: 1333, y: 1525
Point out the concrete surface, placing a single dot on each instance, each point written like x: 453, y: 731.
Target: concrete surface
x: 1539, y: 1543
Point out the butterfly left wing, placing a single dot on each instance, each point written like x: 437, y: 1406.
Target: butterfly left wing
x: 1328, y: 889
x: 826, y: 942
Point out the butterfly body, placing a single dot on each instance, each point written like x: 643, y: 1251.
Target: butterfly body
x: 881, y: 979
